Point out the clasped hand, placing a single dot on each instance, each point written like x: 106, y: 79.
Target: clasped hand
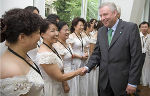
x: 82, y: 71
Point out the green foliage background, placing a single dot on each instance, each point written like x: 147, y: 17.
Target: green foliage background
x: 92, y: 9
x: 69, y: 9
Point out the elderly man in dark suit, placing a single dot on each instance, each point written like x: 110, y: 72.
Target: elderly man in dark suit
x: 117, y: 53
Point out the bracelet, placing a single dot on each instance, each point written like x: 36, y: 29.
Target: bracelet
x: 72, y: 56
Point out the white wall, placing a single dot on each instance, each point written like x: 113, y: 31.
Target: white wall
x: 40, y: 4
x: 146, y: 11
x: 0, y: 8
x: 5, y: 5
x: 137, y: 11
x: 9, y: 4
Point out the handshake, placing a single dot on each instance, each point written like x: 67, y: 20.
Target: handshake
x: 82, y: 71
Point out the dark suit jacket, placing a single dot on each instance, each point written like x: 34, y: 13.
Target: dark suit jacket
x: 120, y: 63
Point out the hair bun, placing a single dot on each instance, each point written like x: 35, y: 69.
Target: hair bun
x: 3, y: 36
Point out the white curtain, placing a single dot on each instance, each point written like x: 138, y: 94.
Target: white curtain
x: 84, y: 9
x: 149, y: 12
x: 99, y: 3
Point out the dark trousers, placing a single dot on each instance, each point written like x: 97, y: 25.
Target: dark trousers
x: 107, y: 91
x: 143, y: 58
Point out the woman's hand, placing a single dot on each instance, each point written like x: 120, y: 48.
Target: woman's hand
x: 66, y: 87
x: 85, y: 56
x: 80, y: 71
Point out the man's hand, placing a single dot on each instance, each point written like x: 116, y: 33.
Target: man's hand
x: 130, y: 89
x: 84, y: 71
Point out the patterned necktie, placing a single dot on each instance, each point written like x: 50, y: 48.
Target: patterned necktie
x: 110, y: 35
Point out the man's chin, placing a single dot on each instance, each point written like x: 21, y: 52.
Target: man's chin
x: 106, y: 25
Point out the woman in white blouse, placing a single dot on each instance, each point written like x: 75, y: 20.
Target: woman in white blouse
x: 19, y: 75
x: 51, y: 63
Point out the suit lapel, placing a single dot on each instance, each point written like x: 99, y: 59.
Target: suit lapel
x: 117, y: 34
x: 105, y: 36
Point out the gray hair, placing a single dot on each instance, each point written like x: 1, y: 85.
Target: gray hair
x: 119, y: 9
x: 111, y: 5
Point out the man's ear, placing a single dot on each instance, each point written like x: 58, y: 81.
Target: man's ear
x: 116, y: 13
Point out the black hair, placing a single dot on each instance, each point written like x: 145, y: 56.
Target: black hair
x: 88, y: 24
x: 2, y: 28
x: 95, y: 25
x: 21, y: 22
x: 9, y: 13
x: 45, y: 25
x: 93, y: 20
x: 4, y: 21
x: 144, y: 22
x: 61, y: 24
x: 31, y: 8
x: 99, y: 25
x: 75, y: 22
x: 52, y: 17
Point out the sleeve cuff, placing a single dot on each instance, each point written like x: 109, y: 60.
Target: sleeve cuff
x: 132, y: 85
x: 87, y: 68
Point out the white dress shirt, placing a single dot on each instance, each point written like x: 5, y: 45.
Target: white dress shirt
x: 144, y: 40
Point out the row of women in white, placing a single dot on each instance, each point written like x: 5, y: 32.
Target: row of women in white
x: 74, y: 50
x: 59, y: 57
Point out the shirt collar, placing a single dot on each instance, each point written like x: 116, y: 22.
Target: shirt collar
x: 141, y: 34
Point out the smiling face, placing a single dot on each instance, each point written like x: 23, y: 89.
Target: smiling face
x: 90, y: 29
x: 108, y: 17
x: 64, y: 32
x: 51, y: 34
x: 93, y: 23
x: 79, y: 27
